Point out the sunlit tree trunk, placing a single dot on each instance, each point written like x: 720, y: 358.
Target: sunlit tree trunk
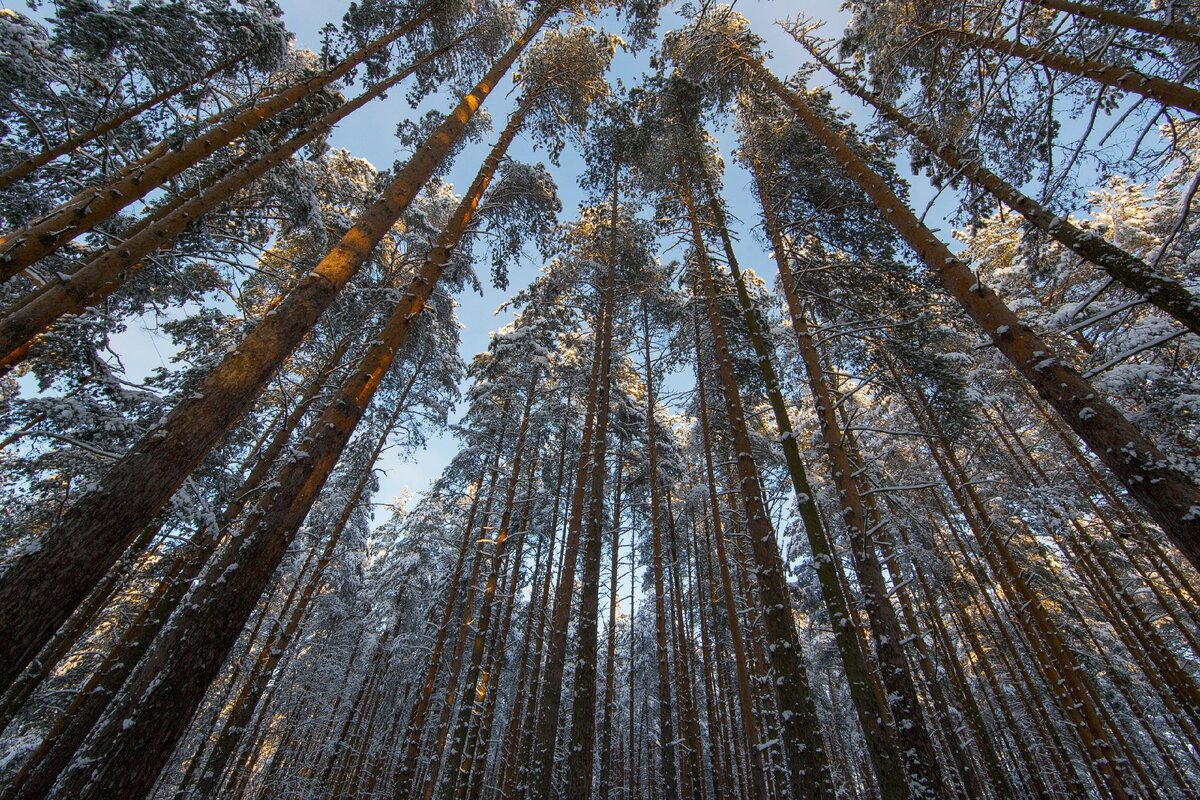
x: 74, y: 556
x: 93, y: 205
x: 72, y: 143
x: 108, y: 270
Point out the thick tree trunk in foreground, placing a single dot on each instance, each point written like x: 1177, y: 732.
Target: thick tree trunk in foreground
x: 74, y: 555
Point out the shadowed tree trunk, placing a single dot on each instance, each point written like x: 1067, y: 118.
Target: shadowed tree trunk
x: 1169, y: 30
x: 1130, y: 271
x: 1170, y: 498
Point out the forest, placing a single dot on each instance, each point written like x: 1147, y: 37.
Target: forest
x: 837, y: 436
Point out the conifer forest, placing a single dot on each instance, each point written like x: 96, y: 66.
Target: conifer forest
x: 599, y: 399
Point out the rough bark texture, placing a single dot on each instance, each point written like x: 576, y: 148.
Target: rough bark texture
x: 74, y: 555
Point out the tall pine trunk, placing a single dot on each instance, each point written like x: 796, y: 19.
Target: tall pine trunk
x: 74, y: 555
x: 1171, y: 499
x: 108, y: 270
x: 73, y: 143
x: 807, y: 761
x: 581, y: 765
x: 1168, y: 295
x: 1171, y: 30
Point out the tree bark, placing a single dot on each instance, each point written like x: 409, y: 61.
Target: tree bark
x: 1170, y: 498
x: 108, y: 270
x: 1126, y: 79
x: 581, y: 765
x: 74, y: 555
x: 807, y: 759
x: 72, y: 143
x: 1169, y: 30
x: 1168, y: 295
x: 666, y: 729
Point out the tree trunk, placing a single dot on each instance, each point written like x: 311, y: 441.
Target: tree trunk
x: 1170, y: 30
x: 72, y: 143
x: 276, y: 517
x: 108, y: 270
x: 539, y: 776
x: 92, y: 534
x: 1167, y: 495
x: 610, y: 666
x: 59, y: 744
x: 807, y: 759
x: 1130, y: 271
x: 281, y: 636
x: 24, y: 246
x: 925, y: 775
x: 419, y: 711
x: 581, y: 765
x: 756, y: 784
x: 476, y: 679
x: 1124, y: 78
x: 666, y: 734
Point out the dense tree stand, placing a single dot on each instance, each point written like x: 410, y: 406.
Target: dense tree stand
x: 811, y: 454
